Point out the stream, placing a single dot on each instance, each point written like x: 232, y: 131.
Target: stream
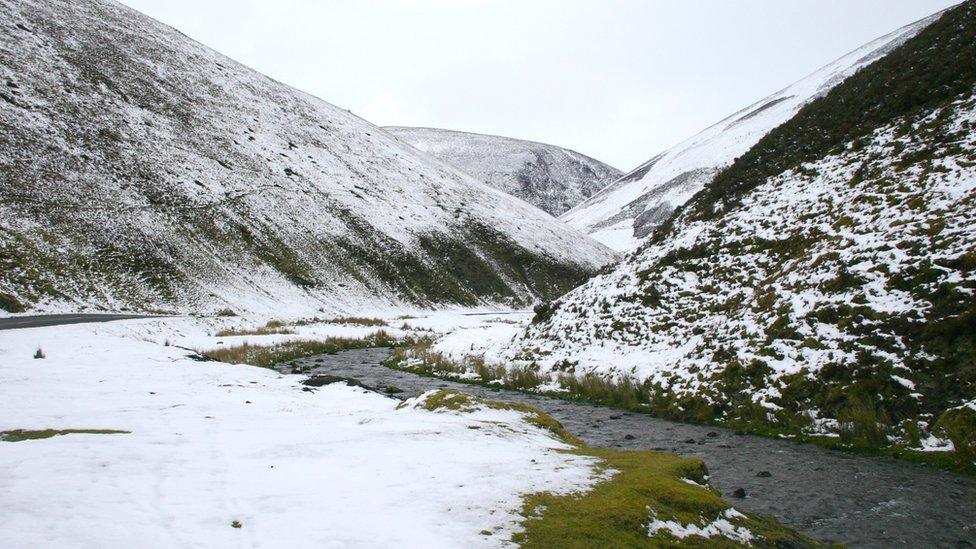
x: 830, y: 495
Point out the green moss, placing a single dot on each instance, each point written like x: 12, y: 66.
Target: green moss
x: 617, y: 511
x: 540, y: 419
x: 18, y: 435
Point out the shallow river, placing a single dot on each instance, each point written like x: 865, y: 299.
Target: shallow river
x: 829, y: 495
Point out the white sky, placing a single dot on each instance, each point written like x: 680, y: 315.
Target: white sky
x: 619, y: 80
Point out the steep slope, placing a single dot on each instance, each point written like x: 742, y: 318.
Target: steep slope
x: 626, y: 211
x: 550, y: 177
x: 143, y: 170
x: 824, y: 283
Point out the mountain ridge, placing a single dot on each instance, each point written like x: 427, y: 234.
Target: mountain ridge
x: 550, y: 177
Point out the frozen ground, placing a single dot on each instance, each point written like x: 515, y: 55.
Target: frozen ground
x: 210, y: 443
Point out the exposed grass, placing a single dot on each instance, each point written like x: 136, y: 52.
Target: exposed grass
x: 453, y: 400
x: 18, y: 435
x: 11, y: 304
x: 269, y: 355
x: 357, y: 320
x: 299, y: 322
x: 617, y: 511
x: 271, y: 328
x: 39, y: 353
x: 417, y: 357
x: 959, y: 426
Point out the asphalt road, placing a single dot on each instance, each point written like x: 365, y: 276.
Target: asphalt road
x: 38, y: 321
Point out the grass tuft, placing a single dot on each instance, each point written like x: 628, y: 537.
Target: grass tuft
x: 269, y: 355
x: 357, y: 320
x: 39, y: 353
x: 417, y: 357
x: 959, y: 426
x: 273, y: 327
x: 18, y: 435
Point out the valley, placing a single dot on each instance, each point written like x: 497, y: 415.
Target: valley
x: 235, y: 314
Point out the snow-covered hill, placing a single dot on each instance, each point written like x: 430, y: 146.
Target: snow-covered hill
x: 553, y: 178
x: 142, y: 170
x: 626, y: 211
x: 823, y: 283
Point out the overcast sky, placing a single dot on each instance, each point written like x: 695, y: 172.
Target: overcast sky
x: 619, y: 80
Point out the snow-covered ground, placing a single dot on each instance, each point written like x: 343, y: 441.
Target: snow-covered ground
x: 487, y: 339
x: 200, y: 333
x: 212, y: 443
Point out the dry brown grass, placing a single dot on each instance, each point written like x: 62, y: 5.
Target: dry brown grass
x: 357, y: 320
x: 273, y: 327
x: 269, y: 355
